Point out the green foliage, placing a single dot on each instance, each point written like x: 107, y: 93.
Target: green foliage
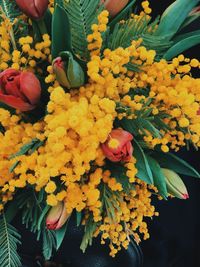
x: 142, y: 164
x: 119, y: 173
x: 182, y: 45
x: 110, y: 202
x: 172, y: 162
x: 133, y: 29
x: 29, y: 148
x: 89, y: 230
x: 10, y: 9
x: 82, y: 14
x: 9, y: 240
x: 60, y: 41
x: 174, y: 16
x: 78, y: 218
x: 144, y: 122
x: 49, y: 243
x: 158, y: 177
x: 32, y: 206
x: 59, y: 235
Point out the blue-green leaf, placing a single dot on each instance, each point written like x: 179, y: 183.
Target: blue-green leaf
x: 182, y: 46
x: 60, y: 234
x: 172, y: 162
x: 142, y: 164
x: 158, y: 177
x: 61, y: 41
x: 174, y: 16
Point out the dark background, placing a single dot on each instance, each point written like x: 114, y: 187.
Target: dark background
x: 175, y: 234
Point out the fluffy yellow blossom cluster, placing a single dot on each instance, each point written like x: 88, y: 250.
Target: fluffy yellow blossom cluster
x: 69, y: 164
x: 25, y: 54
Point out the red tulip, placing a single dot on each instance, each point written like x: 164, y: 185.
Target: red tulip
x: 123, y: 149
x: 114, y: 6
x: 20, y: 90
x: 57, y: 217
x: 34, y: 9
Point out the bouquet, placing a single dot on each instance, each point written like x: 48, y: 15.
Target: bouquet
x: 96, y: 101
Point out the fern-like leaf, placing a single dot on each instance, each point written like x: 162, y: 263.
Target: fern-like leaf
x: 82, y: 14
x: 135, y: 28
x: 9, y: 239
x: 10, y: 9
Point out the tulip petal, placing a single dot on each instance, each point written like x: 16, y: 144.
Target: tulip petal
x: 64, y: 217
x: 30, y: 87
x: 15, y: 102
x: 28, y: 7
x: 114, y: 6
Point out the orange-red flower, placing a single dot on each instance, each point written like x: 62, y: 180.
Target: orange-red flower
x: 114, y: 6
x: 20, y: 90
x: 34, y: 9
x: 118, y: 146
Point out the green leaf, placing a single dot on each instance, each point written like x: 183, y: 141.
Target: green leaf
x: 11, y: 211
x: 144, y: 124
x: 119, y: 173
x: 12, y: 168
x: 82, y: 14
x: 128, y: 125
x: 49, y: 243
x: 89, y: 230
x: 158, y: 177
x: 42, y: 216
x: 30, y: 147
x: 122, y: 14
x: 174, y: 16
x: 182, y: 46
x: 172, y: 162
x: 10, y: 9
x: 61, y: 41
x: 9, y: 241
x: 60, y: 234
x: 142, y: 164
x: 78, y: 218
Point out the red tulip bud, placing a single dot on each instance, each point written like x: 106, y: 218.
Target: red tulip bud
x: 20, y: 90
x: 59, y: 70
x: 118, y: 146
x: 114, y: 6
x: 34, y: 9
x: 57, y: 217
x: 68, y: 71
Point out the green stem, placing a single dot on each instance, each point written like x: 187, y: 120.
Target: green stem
x: 42, y: 26
x: 39, y: 29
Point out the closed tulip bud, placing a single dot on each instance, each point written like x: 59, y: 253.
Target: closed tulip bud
x: 68, y: 71
x: 114, y: 6
x: 175, y: 185
x: 57, y: 217
x: 34, y: 9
